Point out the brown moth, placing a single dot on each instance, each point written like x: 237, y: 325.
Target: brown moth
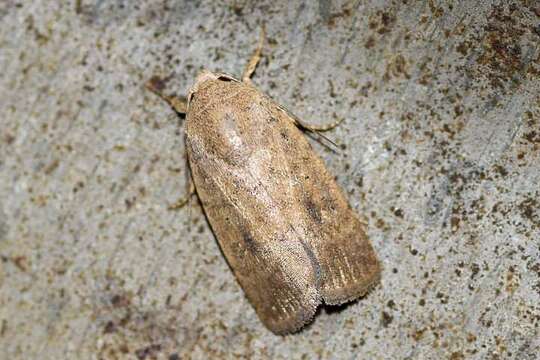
x: 284, y: 225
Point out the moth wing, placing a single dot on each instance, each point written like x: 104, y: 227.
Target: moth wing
x: 272, y: 267
x: 271, y: 263
x: 348, y: 265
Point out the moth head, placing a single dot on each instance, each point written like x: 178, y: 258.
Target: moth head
x: 205, y: 76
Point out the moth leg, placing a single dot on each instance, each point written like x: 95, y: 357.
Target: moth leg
x: 315, y: 129
x: 183, y: 200
x: 179, y: 104
x: 254, y: 60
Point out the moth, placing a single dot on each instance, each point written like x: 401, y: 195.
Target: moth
x: 283, y: 224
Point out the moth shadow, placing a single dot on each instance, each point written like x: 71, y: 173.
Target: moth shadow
x: 336, y: 309
x: 329, y: 310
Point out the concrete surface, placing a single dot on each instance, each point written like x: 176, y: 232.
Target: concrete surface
x: 440, y: 154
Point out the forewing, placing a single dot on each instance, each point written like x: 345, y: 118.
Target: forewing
x: 348, y: 265
x: 231, y: 165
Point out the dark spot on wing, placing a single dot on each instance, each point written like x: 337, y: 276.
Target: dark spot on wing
x: 312, y: 209
x: 249, y: 242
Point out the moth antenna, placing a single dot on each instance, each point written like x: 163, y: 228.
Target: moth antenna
x: 327, y: 139
x: 335, y: 148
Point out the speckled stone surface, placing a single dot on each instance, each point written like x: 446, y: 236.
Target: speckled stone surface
x: 440, y: 154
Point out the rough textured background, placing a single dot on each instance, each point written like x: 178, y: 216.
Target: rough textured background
x: 440, y: 153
